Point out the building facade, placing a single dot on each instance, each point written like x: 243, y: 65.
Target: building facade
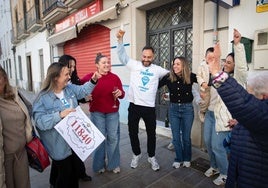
x: 43, y: 30
x: 6, y: 48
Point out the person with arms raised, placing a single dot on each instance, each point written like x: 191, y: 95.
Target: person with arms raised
x: 248, y: 164
x: 144, y: 78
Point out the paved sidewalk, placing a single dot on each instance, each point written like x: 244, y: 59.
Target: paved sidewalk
x: 143, y: 175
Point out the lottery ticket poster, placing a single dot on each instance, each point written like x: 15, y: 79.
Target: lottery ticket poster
x: 80, y: 133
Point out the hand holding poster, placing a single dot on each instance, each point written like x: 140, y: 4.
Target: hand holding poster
x: 80, y: 133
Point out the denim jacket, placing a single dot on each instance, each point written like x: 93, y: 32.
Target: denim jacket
x: 46, y: 114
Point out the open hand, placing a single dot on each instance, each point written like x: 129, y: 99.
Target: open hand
x: 96, y: 76
x: 236, y: 37
x: 214, y: 63
x: 232, y: 123
x: 67, y: 111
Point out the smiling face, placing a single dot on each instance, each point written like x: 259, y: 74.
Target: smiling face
x: 104, y: 65
x: 63, y: 79
x: 177, y: 66
x: 71, y: 66
x: 147, y: 57
x: 229, y: 64
x: 210, y: 57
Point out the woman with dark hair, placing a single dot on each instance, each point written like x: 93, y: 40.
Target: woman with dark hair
x: 104, y: 114
x: 50, y: 107
x: 70, y: 61
x: 181, y: 112
x: 248, y: 164
x: 218, y: 120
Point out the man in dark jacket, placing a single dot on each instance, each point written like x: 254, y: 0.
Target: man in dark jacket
x: 248, y: 165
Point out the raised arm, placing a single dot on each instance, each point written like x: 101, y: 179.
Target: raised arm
x: 250, y: 111
x: 121, y: 52
x: 240, y: 70
x: 247, y: 109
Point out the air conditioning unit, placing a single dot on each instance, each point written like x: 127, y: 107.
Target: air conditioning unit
x: 261, y: 49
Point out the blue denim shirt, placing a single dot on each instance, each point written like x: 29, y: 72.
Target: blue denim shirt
x: 46, y: 114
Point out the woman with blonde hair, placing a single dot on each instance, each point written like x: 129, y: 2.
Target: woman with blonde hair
x: 53, y: 104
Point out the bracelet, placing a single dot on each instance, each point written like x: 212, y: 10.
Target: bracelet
x: 93, y: 82
x: 217, y: 75
x: 219, y: 79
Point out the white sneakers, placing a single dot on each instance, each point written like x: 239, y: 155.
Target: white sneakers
x: 116, y: 170
x: 220, y: 180
x: 186, y: 164
x: 211, y: 172
x: 101, y: 171
x: 176, y: 165
x: 154, y: 163
x: 135, y: 161
x: 170, y: 146
x: 152, y: 160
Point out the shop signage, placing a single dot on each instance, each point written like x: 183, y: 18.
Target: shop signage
x: 79, y: 16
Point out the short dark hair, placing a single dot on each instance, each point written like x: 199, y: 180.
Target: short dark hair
x: 210, y: 49
x: 148, y: 48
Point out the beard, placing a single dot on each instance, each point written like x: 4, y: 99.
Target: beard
x: 146, y: 63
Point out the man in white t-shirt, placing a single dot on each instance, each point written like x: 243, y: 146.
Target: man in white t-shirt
x: 144, y: 78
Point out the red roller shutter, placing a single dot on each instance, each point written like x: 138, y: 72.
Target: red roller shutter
x: 90, y: 41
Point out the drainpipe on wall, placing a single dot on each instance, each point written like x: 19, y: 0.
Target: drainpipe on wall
x: 50, y: 30
x: 14, y: 56
x: 215, y: 29
x: 51, y: 48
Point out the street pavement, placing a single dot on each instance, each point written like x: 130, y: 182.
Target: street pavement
x: 143, y: 175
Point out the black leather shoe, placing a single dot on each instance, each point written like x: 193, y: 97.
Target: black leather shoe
x: 86, y: 178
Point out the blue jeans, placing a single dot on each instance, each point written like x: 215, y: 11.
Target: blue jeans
x: 181, y: 117
x: 214, y: 144
x: 108, y: 125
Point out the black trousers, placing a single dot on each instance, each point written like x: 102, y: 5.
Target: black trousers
x: 78, y: 169
x: 135, y: 113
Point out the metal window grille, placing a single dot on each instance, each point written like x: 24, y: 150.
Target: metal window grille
x: 169, y: 32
